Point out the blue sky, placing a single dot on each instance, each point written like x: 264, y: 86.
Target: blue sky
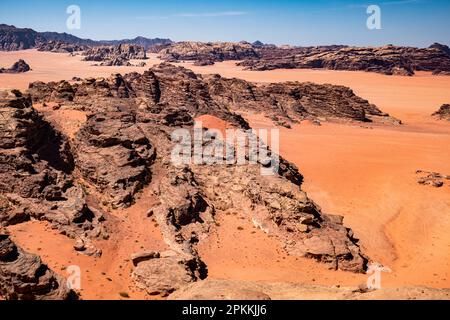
x: 404, y: 22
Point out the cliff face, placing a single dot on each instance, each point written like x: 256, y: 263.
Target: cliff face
x: 387, y: 60
x: 12, y: 38
x: 203, y: 52
x: 115, y: 55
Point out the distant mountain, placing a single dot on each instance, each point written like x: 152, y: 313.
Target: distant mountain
x: 12, y: 38
x: 140, y: 41
x: 66, y: 37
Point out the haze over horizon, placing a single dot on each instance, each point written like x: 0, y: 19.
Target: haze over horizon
x: 404, y: 22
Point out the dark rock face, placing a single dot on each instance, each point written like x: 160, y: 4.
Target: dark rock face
x: 290, y: 102
x: 443, y: 113
x: 387, y: 60
x: 18, y: 67
x: 441, y: 47
x: 199, y: 51
x: 115, y: 55
x: 36, y: 164
x: 23, y: 276
x: 126, y: 143
x: 112, y: 152
x: 12, y: 38
x: 390, y: 60
x: 60, y: 47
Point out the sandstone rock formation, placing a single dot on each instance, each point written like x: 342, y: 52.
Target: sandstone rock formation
x: 36, y: 166
x: 115, y: 55
x: 390, y: 60
x: 126, y: 143
x: 18, y: 67
x: 292, y: 101
x: 441, y: 47
x: 60, y: 47
x: 387, y: 60
x: 12, y: 38
x: 167, y: 272
x: 208, y: 52
x: 443, y: 113
x: 23, y: 276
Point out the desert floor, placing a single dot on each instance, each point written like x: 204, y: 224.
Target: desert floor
x: 365, y: 173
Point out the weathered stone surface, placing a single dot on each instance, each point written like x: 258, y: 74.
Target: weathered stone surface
x: 23, y: 276
x: 35, y: 173
x: 113, y: 153
x: 12, y: 38
x: 115, y: 55
x: 291, y: 102
x: 165, y: 273
x: 387, y: 60
x: 18, y: 67
x: 61, y: 47
x: 199, y: 51
x: 133, y: 116
x: 443, y: 113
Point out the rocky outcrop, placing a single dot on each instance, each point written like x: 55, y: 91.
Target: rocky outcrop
x: 127, y: 140
x: 441, y: 47
x: 166, y: 272
x: 443, y: 113
x: 115, y: 55
x: 434, y: 179
x: 387, y: 60
x: 18, y: 67
x: 12, y: 38
x: 208, y: 52
x: 290, y: 102
x: 60, y: 47
x: 36, y: 166
x: 23, y: 276
x: 113, y: 153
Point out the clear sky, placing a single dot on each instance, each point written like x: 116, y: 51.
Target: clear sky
x: 307, y: 22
